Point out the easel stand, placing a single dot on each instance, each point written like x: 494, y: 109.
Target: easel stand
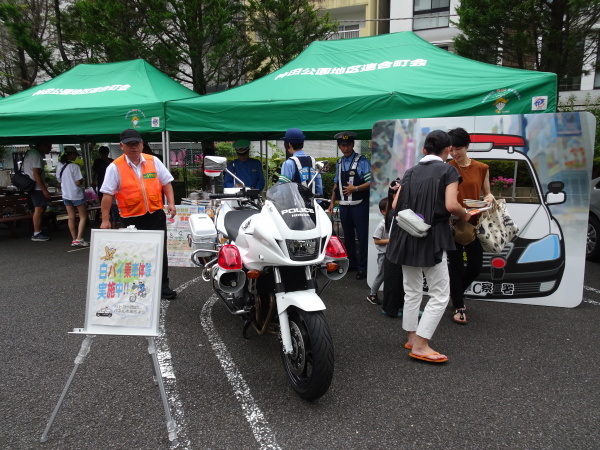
x: 83, y: 351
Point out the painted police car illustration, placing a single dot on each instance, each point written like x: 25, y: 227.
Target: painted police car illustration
x: 532, y: 264
x: 104, y: 312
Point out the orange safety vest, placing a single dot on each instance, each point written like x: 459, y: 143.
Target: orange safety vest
x: 135, y: 197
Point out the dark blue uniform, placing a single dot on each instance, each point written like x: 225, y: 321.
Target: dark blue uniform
x: 354, y: 208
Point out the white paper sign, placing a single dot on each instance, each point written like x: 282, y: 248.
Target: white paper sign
x: 124, y: 282
x: 178, y: 231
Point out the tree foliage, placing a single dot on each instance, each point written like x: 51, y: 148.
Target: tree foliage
x: 547, y: 35
x: 285, y: 28
x: 206, y: 44
x: 28, y: 44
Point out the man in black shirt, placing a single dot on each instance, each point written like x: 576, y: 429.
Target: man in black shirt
x: 99, y: 169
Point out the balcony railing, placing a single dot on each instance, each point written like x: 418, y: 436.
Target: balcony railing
x: 343, y: 35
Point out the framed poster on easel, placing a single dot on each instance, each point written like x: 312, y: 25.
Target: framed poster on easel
x: 124, y: 282
x: 123, y: 298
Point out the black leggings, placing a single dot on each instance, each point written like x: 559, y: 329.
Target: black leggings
x: 393, y: 288
x: 461, y: 275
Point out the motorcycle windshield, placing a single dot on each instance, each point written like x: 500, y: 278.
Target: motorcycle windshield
x: 297, y: 213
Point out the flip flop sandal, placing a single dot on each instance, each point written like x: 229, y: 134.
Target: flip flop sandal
x: 462, y: 317
x: 427, y: 357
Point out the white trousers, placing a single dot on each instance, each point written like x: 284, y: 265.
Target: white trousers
x: 439, y: 293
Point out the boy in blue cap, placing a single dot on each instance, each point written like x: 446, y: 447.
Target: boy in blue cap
x: 299, y: 168
x: 247, y: 169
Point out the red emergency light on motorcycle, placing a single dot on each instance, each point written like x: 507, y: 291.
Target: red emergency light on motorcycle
x: 335, y: 248
x: 230, y: 258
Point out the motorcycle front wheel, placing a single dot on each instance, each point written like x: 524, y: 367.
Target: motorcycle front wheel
x: 310, y: 365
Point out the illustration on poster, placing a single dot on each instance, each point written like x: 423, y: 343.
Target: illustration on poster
x: 547, y: 157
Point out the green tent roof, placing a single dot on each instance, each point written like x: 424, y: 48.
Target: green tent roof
x: 91, y: 102
x: 351, y: 84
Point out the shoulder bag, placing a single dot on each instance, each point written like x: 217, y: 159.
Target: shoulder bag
x: 496, y: 228
x: 412, y: 223
x: 21, y: 180
x: 407, y: 219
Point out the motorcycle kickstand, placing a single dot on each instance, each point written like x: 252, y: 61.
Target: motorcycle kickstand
x: 247, y: 324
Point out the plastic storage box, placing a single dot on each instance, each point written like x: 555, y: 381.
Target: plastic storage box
x: 203, y: 234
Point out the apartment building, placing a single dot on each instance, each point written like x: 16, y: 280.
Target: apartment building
x: 431, y: 20
x: 359, y: 18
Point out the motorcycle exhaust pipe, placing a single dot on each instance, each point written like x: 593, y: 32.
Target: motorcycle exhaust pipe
x: 230, y: 281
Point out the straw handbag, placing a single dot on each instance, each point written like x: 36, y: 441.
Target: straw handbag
x: 463, y: 232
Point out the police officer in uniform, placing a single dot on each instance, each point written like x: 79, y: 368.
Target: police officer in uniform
x: 299, y: 168
x: 352, y: 182
x: 247, y: 169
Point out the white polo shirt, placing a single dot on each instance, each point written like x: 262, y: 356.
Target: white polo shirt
x: 34, y: 159
x: 112, y: 180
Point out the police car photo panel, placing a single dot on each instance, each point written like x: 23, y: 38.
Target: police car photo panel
x: 541, y: 165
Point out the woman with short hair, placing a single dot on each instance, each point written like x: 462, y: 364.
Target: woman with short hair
x: 475, y: 182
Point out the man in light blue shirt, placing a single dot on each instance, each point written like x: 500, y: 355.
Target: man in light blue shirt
x: 299, y: 168
x: 247, y: 169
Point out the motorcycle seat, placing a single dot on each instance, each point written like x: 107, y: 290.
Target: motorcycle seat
x: 234, y: 219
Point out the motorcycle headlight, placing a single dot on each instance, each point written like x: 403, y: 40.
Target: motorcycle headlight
x: 302, y: 250
x: 546, y: 249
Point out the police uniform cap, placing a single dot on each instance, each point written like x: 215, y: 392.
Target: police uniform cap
x: 345, y: 137
x: 241, y: 146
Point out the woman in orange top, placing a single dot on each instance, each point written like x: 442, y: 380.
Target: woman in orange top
x: 475, y: 181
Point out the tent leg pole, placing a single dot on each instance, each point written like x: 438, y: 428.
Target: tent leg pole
x: 166, y: 145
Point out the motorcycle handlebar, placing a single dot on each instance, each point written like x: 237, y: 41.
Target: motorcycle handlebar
x: 248, y: 193
x: 236, y: 195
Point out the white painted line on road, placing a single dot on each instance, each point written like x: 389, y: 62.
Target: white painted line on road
x: 587, y: 288
x: 259, y: 425
x: 591, y: 302
x: 163, y: 353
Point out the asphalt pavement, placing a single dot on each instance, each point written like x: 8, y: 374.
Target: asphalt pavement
x: 518, y: 377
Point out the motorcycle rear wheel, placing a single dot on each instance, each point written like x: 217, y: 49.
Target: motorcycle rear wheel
x: 310, y: 365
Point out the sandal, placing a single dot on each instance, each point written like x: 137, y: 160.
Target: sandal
x: 462, y: 317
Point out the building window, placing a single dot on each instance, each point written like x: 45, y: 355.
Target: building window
x: 345, y: 32
x: 431, y: 14
x: 571, y: 81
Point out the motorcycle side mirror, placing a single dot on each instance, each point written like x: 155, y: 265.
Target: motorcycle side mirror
x: 320, y: 166
x: 214, y: 165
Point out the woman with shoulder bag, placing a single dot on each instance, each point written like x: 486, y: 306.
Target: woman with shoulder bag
x: 428, y: 189
x: 475, y: 181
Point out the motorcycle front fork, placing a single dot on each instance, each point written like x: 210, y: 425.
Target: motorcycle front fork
x: 284, y: 324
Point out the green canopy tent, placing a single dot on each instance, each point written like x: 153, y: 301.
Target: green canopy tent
x: 351, y: 84
x: 91, y: 103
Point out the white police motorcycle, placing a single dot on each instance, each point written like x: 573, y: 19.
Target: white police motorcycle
x: 263, y: 260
